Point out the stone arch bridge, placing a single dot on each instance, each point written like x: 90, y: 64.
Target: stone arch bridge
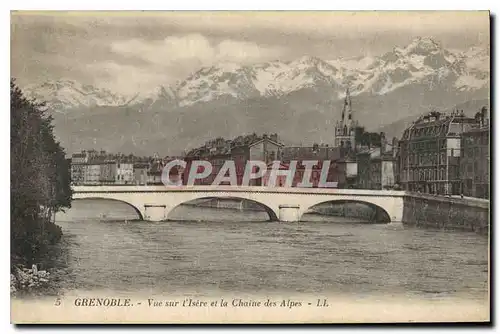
x: 155, y: 202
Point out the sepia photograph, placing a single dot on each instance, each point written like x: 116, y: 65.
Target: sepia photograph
x: 187, y: 167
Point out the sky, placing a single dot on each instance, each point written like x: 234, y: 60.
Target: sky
x: 131, y: 52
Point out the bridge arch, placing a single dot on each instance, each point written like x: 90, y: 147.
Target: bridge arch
x: 380, y: 214
x: 108, y: 199
x: 273, y: 215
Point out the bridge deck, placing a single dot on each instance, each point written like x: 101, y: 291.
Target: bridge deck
x: 236, y: 189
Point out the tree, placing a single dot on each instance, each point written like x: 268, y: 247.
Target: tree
x: 40, y: 178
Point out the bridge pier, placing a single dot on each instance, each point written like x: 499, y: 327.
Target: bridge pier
x: 154, y: 212
x: 289, y: 213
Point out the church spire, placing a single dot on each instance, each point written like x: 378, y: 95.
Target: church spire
x: 345, y: 131
x: 346, y: 109
x: 347, y: 104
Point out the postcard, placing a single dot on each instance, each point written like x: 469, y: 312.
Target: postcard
x: 250, y: 167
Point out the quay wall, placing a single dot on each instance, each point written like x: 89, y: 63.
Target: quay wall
x: 456, y: 213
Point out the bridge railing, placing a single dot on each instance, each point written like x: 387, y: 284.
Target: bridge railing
x: 235, y: 189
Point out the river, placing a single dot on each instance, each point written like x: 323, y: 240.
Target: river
x: 228, y: 251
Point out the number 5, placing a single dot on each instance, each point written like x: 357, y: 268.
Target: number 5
x: 58, y: 302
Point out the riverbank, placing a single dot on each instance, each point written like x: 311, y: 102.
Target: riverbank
x: 28, y: 281
x: 45, y: 279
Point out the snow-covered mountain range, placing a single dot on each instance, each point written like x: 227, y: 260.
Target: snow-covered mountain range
x: 423, y: 61
x: 64, y: 94
x: 298, y: 99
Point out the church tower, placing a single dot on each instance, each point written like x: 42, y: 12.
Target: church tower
x: 345, y: 129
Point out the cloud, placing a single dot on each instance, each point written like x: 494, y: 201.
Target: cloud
x: 173, y: 59
x: 128, y: 51
x: 291, y: 22
x: 176, y: 50
x: 125, y: 79
x: 240, y: 52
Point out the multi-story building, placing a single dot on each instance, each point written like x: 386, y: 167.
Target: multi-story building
x: 108, y: 171
x: 155, y: 171
x: 429, y: 153
x: 240, y: 150
x: 364, y: 159
x: 347, y: 168
x: 298, y: 176
x: 92, y: 173
x: 141, y: 172
x: 124, y: 172
x: 475, y: 162
x: 319, y: 153
x: 377, y: 167
x: 280, y: 180
x: 98, y: 167
x: 176, y: 173
x: 78, y: 166
x: 86, y: 166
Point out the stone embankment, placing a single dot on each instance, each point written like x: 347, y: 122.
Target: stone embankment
x: 25, y: 280
x: 455, y: 213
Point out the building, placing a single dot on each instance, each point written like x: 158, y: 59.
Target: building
x: 377, y: 167
x: 395, y: 154
x: 239, y: 150
x: 92, y: 173
x: 347, y: 169
x: 297, y: 178
x: 364, y: 159
x: 99, y: 167
x: 475, y: 162
x: 342, y: 156
x: 345, y: 130
x: 176, y: 173
x: 86, y: 166
x: 429, y: 153
x: 280, y: 179
x: 155, y: 171
x: 320, y: 153
x: 141, y: 172
x: 108, y: 171
x: 78, y: 166
x: 387, y: 170
x: 124, y: 172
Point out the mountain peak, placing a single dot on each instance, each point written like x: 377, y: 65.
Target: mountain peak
x: 422, y: 45
x: 421, y: 61
x: 65, y: 94
x: 309, y: 60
